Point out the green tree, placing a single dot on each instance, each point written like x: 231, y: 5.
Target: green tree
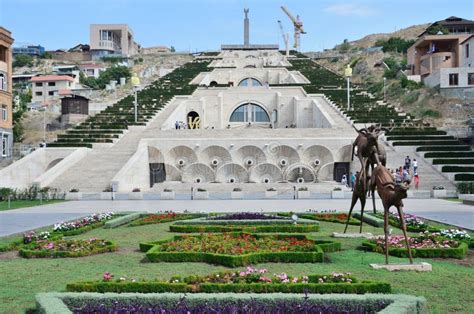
x: 345, y: 46
x: 172, y: 49
x: 435, y: 29
x: 23, y: 60
x: 46, y: 55
x: 396, y: 44
x: 111, y: 74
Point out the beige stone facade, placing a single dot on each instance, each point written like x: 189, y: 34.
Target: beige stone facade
x: 112, y: 39
x: 6, y: 109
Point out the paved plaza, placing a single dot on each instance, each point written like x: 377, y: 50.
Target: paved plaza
x: 20, y: 220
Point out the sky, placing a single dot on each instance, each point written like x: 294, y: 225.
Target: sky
x: 201, y: 25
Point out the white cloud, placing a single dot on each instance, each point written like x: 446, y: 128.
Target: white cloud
x: 348, y: 9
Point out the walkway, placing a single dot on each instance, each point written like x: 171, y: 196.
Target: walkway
x: 20, y: 220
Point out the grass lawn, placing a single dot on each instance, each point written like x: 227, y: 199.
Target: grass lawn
x: 22, y: 204
x: 448, y: 288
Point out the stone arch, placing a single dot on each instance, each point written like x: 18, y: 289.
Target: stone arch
x: 250, y: 79
x: 250, y: 155
x: 300, y: 173
x: 215, y: 156
x: 181, y: 156
x: 344, y: 153
x: 155, y: 155
x: 259, y: 113
x: 232, y: 173
x: 282, y: 155
x: 317, y: 156
x: 198, y: 173
x: 265, y: 173
x: 172, y: 173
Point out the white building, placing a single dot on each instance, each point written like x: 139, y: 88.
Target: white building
x: 46, y: 89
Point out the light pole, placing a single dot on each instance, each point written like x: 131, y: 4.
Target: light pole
x: 348, y: 74
x: 384, y: 89
x: 136, y: 84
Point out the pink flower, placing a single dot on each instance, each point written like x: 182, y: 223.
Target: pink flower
x: 50, y: 246
x: 107, y: 276
x: 242, y: 274
x: 295, y: 280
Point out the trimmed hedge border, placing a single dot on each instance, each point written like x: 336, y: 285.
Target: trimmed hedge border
x: 27, y: 253
x: 119, y: 221
x: 177, y: 218
x: 243, y: 228
x: 453, y: 161
x: 400, y: 304
x: 248, y: 222
x: 352, y: 220
x: 154, y: 254
x: 371, y: 220
x: 162, y: 287
x: 458, y: 252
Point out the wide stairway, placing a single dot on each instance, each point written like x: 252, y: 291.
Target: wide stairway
x: 440, y: 157
x: 116, y: 125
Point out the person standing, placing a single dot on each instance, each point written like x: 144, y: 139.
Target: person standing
x: 176, y: 125
x: 416, y: 178
x: 353, y: 180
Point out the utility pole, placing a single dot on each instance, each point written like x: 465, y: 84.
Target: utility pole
x: 348, y: 74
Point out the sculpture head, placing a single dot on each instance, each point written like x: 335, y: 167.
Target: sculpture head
x: 401, y: 190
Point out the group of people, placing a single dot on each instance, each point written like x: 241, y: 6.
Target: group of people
x: 178, y: 125
x: 403, y: 173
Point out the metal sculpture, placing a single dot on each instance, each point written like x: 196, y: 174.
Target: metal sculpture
x: 391, y: 194
x: 359, y: 193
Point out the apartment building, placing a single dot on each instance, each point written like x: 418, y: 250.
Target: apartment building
x: 446, y: 61
x: 112, y: 40
x: 47, y: 89
x: 6, y: 106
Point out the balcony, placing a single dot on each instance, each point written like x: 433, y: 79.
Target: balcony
x: 108, y: 45
x: 434, y: 61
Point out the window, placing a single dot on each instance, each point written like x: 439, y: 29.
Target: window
x: 3, y: 82
x: 249, y: 113
x: 4, y: 113
x: 250, y: 82
x: 51, y: 83
x: 470, y: 78
x: 453, y: 79
x: 38, y: 84
x: 3, y: 53
x: 39, y: 94
x: 51, y: 93
x: 467, y: 50
x: 4, y: 145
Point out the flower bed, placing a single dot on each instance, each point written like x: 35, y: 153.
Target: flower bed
x: 245, y: 228
x: 249, y: 280
x: 239, y: 249
x: 161, y: 218
x: 244, y: 216
x: 425, y: 245
x: 247, y: 303
x: 329, y: 216
x: 413, y: 222
x: 82, y: 225
x: 66, y: 248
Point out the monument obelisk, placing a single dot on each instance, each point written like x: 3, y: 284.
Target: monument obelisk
x: 246, y: 28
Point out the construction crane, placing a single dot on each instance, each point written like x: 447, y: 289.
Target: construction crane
x: 298, y: 27
x: 286, y: 39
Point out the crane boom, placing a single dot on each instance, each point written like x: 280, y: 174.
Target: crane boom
x: 285, y: 39
x: 292, y: 18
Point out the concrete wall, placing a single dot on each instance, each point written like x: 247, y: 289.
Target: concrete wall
x: 22, y: 173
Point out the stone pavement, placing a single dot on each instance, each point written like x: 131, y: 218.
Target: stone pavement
x: 20, y: 220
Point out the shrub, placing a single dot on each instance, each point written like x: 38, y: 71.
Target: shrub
x: 465, y: 187
x: 371, y: 220
x: 244, y: 228
x: 162, y: 218
x: 122, y: 220
x: 135, y: 190
x: 464, y: 177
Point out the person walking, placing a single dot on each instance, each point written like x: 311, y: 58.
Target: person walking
x: 415, y: 166
x: 416, y: 178
x: 176, y: 125
x: 344, y: 180
x: 407, y: 162
x: 353, y: 180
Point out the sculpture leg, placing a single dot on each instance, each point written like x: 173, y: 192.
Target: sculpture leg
x: 404, y: 228
x: 362, y: 206
x: 354, y: 201
x: 385, y: 227
x: 373, y: 199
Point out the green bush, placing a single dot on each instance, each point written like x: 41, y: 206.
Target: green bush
x: 161, y: 287
x: 442, y: 148
x: 453, y: 161
x: 395, y: 44
x: 458, y: 252
x: 142, y: 221
x: 464, y: 177
x: 449, y: 155
x: 465, y: 187
x: 457, y: 169
x: 371, y: 220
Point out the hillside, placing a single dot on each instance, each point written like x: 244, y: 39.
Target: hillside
x: 369, y: 69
